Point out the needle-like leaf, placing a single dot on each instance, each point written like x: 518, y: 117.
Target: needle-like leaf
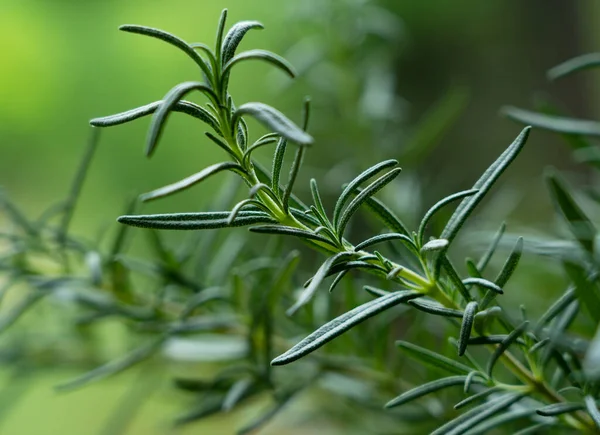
x: 343, y: 323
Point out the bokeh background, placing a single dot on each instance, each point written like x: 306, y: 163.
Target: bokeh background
x: 384, y: 76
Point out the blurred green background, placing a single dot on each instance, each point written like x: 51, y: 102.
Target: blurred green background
x: 374, y: 75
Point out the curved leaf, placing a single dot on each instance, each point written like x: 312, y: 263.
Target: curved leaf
x: 559, y: 124
x: 502, y: 347
x: 316, y: 280
x: 481, y: 282
x: 359, y: 199
x: 164, y: 110
x: 183, y: 106
x: 433, y: 210
x: 290, y: 231
x: 435, y: 308
x: 579, y: 63
x: 193, y: 179
x: 234, y: 37
x: 274, y: 120
x: 264, y: 55
x: 343, y: 323
x: 560, y: 408
x: 467, y: 326
x: 410, y: 244
x: 432, y: 358
x: 354, y: 184
x: 430, y: 387
x: 170, y: 39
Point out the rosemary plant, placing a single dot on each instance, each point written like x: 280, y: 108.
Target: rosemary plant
x: 434, y: 286
x: 513, y: 374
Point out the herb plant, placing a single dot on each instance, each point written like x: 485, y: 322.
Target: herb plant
x: 515, y: 373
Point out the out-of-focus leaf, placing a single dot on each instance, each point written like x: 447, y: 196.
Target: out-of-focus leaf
x: 433, y: 359
x: 430, y: 387
x: 579, y: 63
x: 558, y: 124
x: 587, y: 291
x: 579, y: 224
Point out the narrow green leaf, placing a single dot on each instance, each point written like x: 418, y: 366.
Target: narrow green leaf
x: 435, y: 308
x: 290, y: 231
x: 434, y: 245
x: 579, y: 63
x: 477, y: 415
x: 558, y: 124
x: 318, y: 278
x: 359, y: 199
x: 374, y: 291
x: 511, y: 264
x: 264, y: 55
x: 487, y: 256
x: 483, y: 283
x: 275, y: 121
x: 533, y: 429
x: 354, y: 184
x: 591, y: 363
x: 170, y: 39
x: 592, y: 408
x: 483, y: 185
x: 428, y: 388
x: 342, y: 324
x: 192, y: 180
x: 194, y: 221
x: 502, y: 347
x: 220, y: 32
x: 491, y: 339
x: 265, y: 418
x: 407, y: 241
x: 560, y: 408
x: 475, y: 397
x: 15, y: 215
x: 277, y: 165
x: 22, y: 306
x: 337, y: 279
x: 447, y: 265
x: 466, y: 326
x: 555, y: 309
x: 579, y: 224
x: 221, y: 144
x: 439, y: 205
x: 237, y: 392
x: 234, y: 37
x: 267, y: 139
x: 182, y: 106
x: 588, y: 292
x: 503, y: 418
x: 316, y: 196
x: 113, y: 367
x: 246, y: 203
x: 296, y: 163
x: 433, y: 359
x: 164, y: 110
x: 383, y: 213
x: 77, y: 185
